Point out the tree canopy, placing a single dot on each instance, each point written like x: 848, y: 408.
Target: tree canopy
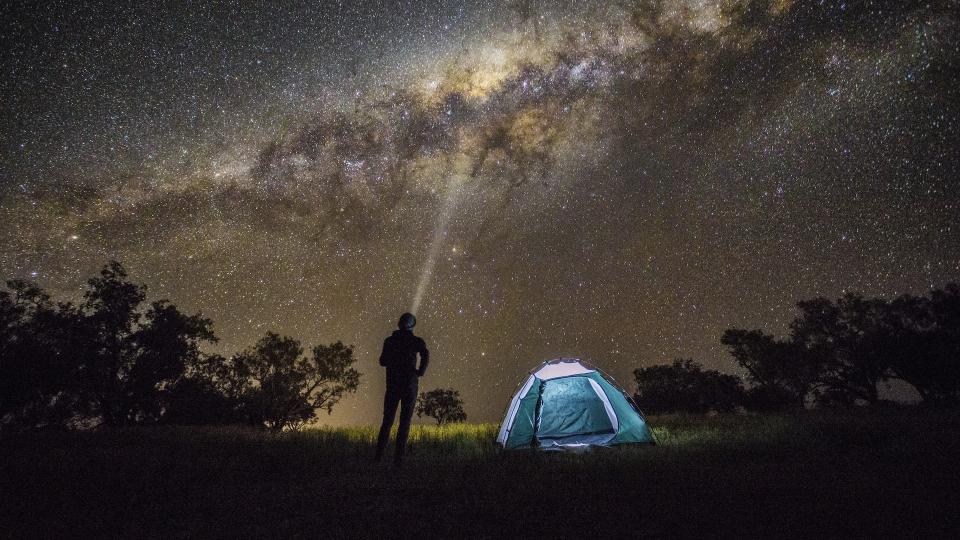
x: 838, y: 352
x: 442, y: 404
x: 278, y: 386
x: 115, y: 359
x: 685, y: 386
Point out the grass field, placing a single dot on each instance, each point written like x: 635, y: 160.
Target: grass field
x: 860, y: 474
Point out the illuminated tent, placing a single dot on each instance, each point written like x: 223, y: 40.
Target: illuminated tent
x: 567, y: 403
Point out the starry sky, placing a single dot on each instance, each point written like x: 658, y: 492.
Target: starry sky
x: 619, y: 181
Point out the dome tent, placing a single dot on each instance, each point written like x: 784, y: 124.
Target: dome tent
x: 565, y: 404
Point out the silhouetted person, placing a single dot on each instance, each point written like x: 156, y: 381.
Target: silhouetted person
x: 399, y: 356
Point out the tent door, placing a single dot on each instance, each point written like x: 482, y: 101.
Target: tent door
x: 571, y: 408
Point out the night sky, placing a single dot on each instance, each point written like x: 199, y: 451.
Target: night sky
x: 619, y: 181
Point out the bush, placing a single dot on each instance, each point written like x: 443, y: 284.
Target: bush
x: 443, y: 405
x: 685, y: 386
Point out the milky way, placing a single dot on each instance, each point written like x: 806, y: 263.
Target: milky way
x: 619, y: 181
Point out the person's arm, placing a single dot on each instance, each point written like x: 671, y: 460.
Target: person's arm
x: 424, y: 359
x: 384, y: 357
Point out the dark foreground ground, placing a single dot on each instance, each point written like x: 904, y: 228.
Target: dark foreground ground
x: 863, y: 474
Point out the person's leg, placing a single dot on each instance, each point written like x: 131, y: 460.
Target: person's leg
x: 407, y: 403
x: 390, y: 401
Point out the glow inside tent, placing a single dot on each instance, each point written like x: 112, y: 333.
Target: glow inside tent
x: 566, y: 403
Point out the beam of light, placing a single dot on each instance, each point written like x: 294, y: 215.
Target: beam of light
x: 439, y: 234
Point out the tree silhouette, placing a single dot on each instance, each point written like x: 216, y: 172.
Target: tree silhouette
x: 685, y: 386
x: 200, y: 398
x: 277, y: 386
x: 132, y: 358
x: 163, y: 347
x: 37, y: 366
x: 442, y: 404
x: 849, y: 338
x: 925, y: 344
x: 105, y: 358
x: 781, y: 375
x: 115, y: 360
x: 840, y: 351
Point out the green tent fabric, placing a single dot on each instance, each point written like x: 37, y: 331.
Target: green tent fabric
x: 566, y: 404
x: 525, y: 417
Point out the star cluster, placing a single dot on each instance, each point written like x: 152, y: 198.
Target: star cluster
x: 618, y: 181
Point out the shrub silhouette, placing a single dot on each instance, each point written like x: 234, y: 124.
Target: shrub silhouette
x: 685, y: 386
x: 442, y: 404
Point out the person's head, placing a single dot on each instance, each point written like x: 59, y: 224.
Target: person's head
x: 407, y: 321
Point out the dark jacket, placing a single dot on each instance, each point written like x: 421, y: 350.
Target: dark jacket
x: 399, y: 356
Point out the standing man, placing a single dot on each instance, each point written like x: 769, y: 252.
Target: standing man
x: 399, y: 356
